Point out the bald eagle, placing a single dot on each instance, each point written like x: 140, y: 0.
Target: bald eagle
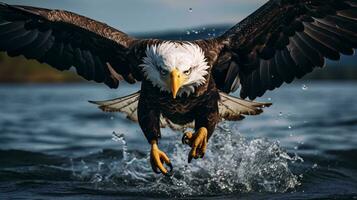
x: 186, y: 83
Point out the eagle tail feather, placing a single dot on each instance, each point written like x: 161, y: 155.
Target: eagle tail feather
x: 230, y: 108
x: 127, y: 104
x: 233, y: 109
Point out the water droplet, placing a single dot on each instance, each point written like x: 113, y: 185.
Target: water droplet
x: 289, y: 127
x: 296, y: 147
x: 269, y: 99
x: 304, y: 87
x: 314, y: 166
x: 190, y: 10
x: 100, y: 164
x: 117, y: 137
x: 188, y: 32
x: 96, y: 178
x: 280, y: 114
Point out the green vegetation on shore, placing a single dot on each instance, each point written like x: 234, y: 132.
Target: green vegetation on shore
x: 19, y: 69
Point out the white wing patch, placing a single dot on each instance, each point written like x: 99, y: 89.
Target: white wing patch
x: 127, y: 105
x: 233, y: 108
x: 230, y: 108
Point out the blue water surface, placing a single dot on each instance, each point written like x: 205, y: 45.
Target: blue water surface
x: 54, y: 144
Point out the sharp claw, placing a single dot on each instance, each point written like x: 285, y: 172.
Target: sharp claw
x: 169, y: 174
x: 184, y: 139
x: 189, y: 158
x: 170, y: 166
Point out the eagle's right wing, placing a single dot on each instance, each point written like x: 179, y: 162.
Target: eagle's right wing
x: 63, y: 39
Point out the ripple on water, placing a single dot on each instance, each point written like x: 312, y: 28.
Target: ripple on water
x: 232, y: 164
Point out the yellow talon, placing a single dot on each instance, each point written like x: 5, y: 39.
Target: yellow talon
x: 158, y: 158
x: 198, y: 143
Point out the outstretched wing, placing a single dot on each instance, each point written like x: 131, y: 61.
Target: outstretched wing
x: 284, y: 40
x: 63, y: 39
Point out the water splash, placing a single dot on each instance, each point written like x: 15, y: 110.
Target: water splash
x: 232, y: 164
x: 304, y: 87
x: 314, y: 166
x: 120, y: 139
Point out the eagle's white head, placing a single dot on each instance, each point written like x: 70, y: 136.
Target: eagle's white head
x: 175, y: 67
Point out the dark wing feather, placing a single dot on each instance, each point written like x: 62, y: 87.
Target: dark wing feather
x: 63, y: 39
x: 284, y: 40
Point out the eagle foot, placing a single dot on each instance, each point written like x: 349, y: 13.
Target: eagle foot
x: 157, y: 160
x: 198, y: 143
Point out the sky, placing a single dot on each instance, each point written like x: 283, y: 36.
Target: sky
x: 140, y: 16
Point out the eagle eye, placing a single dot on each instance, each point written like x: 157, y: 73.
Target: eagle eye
x: 187, y: 72
x: 163, y: 72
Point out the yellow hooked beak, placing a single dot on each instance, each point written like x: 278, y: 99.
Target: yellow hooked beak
x: 177, y: 79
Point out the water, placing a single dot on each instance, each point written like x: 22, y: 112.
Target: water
x: 55, y: 144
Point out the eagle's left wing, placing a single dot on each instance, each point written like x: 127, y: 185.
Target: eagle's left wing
x: 281, y: 41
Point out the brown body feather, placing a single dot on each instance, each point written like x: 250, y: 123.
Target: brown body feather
x: 202, y: 109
